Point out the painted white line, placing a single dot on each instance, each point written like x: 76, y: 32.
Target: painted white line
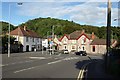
x: 25, y: 69
x: 54, y: 62
x: 1, y: 65
x: 71, y: 58
x: 36, y: 66
x: 56, y: 58
x: 37, y: 57
x: 18, y: 62
x: 58, y: 54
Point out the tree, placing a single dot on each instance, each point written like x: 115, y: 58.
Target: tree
x: 5, y: 26
x: 5, y: 40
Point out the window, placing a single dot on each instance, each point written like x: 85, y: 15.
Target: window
x: 37, y: 39
x: 73, y: 47
x: 83, y: 40
x: 27, y: 39
x: 65, y: 47
x: 33, y: 39
x: 83, y: 48
x: 93, y: 48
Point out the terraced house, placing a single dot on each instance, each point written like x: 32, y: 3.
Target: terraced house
x: 29, y: 39
x: 81, y: 41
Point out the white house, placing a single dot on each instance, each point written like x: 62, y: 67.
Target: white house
x: 29, y: 39
x: 81, y: 41
x: 76, y: 41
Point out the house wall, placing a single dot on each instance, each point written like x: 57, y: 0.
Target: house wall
x: 64, y: 43
x: 36, y: 43
x: 99, y: 49
x: 72, y: 45
x: 81, y: 44
x: 75, y: 45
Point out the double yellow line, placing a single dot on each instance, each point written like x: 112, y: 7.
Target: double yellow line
x: 82, y: 71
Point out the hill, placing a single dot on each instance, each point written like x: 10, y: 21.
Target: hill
x: 5, y: 27
x: 43, y: 26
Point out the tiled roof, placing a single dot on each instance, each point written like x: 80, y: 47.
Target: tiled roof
x: 63, y: 37
x: 100, y: 42
x: 21, y: 32
x: 75, y: 34
x: 78, y: 34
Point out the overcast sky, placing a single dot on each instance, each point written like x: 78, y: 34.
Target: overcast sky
x: 85, y: 12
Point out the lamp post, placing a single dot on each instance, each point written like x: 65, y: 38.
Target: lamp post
x: 9, y: 34
x: 9, y: 29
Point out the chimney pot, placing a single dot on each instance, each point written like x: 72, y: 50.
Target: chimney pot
x: 25, y: 28
x: 83, y: 31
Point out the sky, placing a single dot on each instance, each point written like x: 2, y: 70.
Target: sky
x: 81, y: 12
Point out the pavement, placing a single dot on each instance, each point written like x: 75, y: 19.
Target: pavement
x: 96, y: 70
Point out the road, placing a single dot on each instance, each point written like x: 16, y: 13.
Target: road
x: 37, y: 65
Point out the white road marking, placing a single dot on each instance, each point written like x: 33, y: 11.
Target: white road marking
x: 47, y: 63
x: 36, y: 66
x: 1, y: 65
x: 37, y: 57
x: 56, y: 58
x: 54, y: 62
x: 71, y: 58
x: 58, y: 54
x: 18, y: 62
x: 25, y: 69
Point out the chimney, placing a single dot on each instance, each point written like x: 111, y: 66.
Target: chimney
x: 25, y: 28
x: 83, y: 31
x: 93, y: 36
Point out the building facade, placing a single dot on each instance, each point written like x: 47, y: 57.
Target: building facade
x: 99, y: 46
x: 76, y: 41
x: 81, y: 41
x: 29, y: 39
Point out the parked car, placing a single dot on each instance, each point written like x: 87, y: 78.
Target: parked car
x: 66, y: 51
x: 82, y: 53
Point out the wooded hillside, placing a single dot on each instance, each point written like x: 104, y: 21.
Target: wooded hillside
x: 43, y: 26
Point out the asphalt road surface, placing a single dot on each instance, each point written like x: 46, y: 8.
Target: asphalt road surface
x: 37, y: 65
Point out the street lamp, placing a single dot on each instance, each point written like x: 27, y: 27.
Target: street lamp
x: 9, y: 29
x: 9, y: 34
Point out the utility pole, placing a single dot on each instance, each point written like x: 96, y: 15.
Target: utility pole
x: 108, y: 32
x: 53, y: 39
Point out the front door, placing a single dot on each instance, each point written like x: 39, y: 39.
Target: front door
x: 27, y: 48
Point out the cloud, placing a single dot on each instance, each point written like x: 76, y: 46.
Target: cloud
x: 58, y: 0
x: 88, y: 12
